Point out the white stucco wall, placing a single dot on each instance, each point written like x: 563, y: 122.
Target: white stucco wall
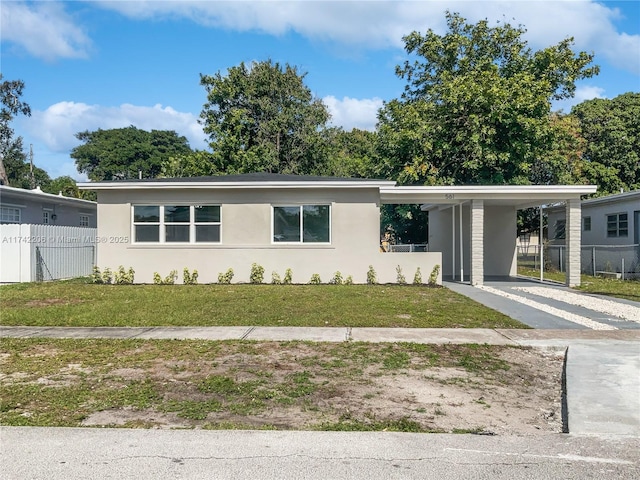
x: 499, y: 234
x: 246, y: 236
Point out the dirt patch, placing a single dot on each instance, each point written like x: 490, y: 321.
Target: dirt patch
x: 47, y: 302
x: 297, y: 385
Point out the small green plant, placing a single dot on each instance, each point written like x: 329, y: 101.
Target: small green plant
x: 315, y: 279
x: 275, y: 278
x: 348, y: 280
x: 417, y: 278
x: 96, y: 276
x: 124, y: 277
x: 288, y: 277
x: 257, y: 273
x: 400, y: 278
x: 107, y: 276
x: 168, y: 280
x: 433, y: 277
x: 337, y: 279
x: 189, y: 278
x: 226, y: 277
x: 372, y: 278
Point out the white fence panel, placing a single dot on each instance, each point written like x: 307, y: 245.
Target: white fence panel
x: 46, y: 252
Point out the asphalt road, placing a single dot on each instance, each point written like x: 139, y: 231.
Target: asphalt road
x: 88, y: 453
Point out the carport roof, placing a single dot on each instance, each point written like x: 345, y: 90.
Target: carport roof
x: 519, y: 196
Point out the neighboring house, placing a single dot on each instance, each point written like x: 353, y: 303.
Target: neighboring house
x: 610, y: 228
x: 35, y: 207
x: 313, y: 225
x: 45, y: 236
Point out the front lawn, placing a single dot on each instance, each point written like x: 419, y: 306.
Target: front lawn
x: 77, y: 304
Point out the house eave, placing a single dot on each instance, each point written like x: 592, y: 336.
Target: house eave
x: 231, y: 185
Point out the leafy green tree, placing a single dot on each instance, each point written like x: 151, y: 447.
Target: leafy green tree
x: 353, y: 153
x: 12, y: 157
x: 476, y: 107
x: 196, y: 164
x: 122, y: 153
x: 263, y: 118
x: 65, y: 185
x: 612, y: 132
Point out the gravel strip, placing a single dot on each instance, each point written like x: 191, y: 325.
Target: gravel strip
x: 608, y: 307
x: 572, y: 317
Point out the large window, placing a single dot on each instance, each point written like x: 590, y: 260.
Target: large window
x: 9, y: 215
x: 617, y: 225
x: 176, y: 223
x: 302, y: 224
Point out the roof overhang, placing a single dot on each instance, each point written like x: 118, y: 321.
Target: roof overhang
x: 39, y: 195
x: 519, y: 196
x: 253, y: 185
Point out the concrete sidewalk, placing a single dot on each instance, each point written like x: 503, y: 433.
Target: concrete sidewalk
x: 602, y: 367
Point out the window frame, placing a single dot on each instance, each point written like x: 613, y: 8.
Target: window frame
x: 162, y: 224
x: 301, y: 206
x: 46, y: 216
x: 586, y: 224
x: 5, y: 214
x: 84, y: 217
x: 614, y: 226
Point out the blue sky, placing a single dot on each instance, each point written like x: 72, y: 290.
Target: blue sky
x: 109, y: 64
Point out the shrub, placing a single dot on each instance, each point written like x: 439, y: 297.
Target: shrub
x: 257, y: 273
x: 417, y: 278
x: 315, y: 279
x: 433, y: 277
x: 168, y: 280
x: 225, y: 277
x: 96, y: 276
x: 400, y: 278
x: 107, y: 276
x: 123, y: 277
x: 288, y: 277
x: 189, y: 279
x: 337, y: 279
x: 348, y: 280
x: 372, y: 278
x: 275, y: 278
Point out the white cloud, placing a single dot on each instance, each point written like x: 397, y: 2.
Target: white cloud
x: 583, y: 93
x: 56, y: 126
x: 350, y: 113
x: 376, y: 24
x: 43, y: 29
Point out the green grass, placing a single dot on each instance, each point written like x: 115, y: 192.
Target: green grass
x: 79, y: 304
x: 627, y: 289
x: 224, y: 384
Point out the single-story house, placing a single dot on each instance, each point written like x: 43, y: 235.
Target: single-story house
x: 610, y: 229
x: 312, y: 225
x: 35, y: 207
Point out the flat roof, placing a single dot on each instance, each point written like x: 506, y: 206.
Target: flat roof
x: 247, y: 180
x: 38, y: 194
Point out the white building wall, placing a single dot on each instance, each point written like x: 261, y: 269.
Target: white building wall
x: 246, y: 237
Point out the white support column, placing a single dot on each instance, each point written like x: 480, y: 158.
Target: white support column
x: 461, y: 248
x: 477, y: 242
x: 573, y: 241
x: 453, y: 242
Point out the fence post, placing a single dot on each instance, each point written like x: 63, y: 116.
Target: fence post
x: 593, y: 259
x: 622, y: 268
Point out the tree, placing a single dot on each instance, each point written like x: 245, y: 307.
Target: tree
x: 478, y: 101
x: 196, y: 164
x: 353, y: 153
x: 12, y: 156
x: 612, y: 132
x: 263, y: 118
x: 123, y: 153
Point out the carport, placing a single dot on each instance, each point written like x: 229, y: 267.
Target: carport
x: 475, y: 226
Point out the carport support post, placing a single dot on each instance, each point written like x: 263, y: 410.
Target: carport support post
x: 572, y: 235
x: 477, y: 242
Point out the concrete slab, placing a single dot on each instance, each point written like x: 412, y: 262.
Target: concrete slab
x: 430, y: 335
x: 194, y: 333
x: 603, y: 389
x: 19, y: 332
x: 76, y: 332
x: 316, y: 334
